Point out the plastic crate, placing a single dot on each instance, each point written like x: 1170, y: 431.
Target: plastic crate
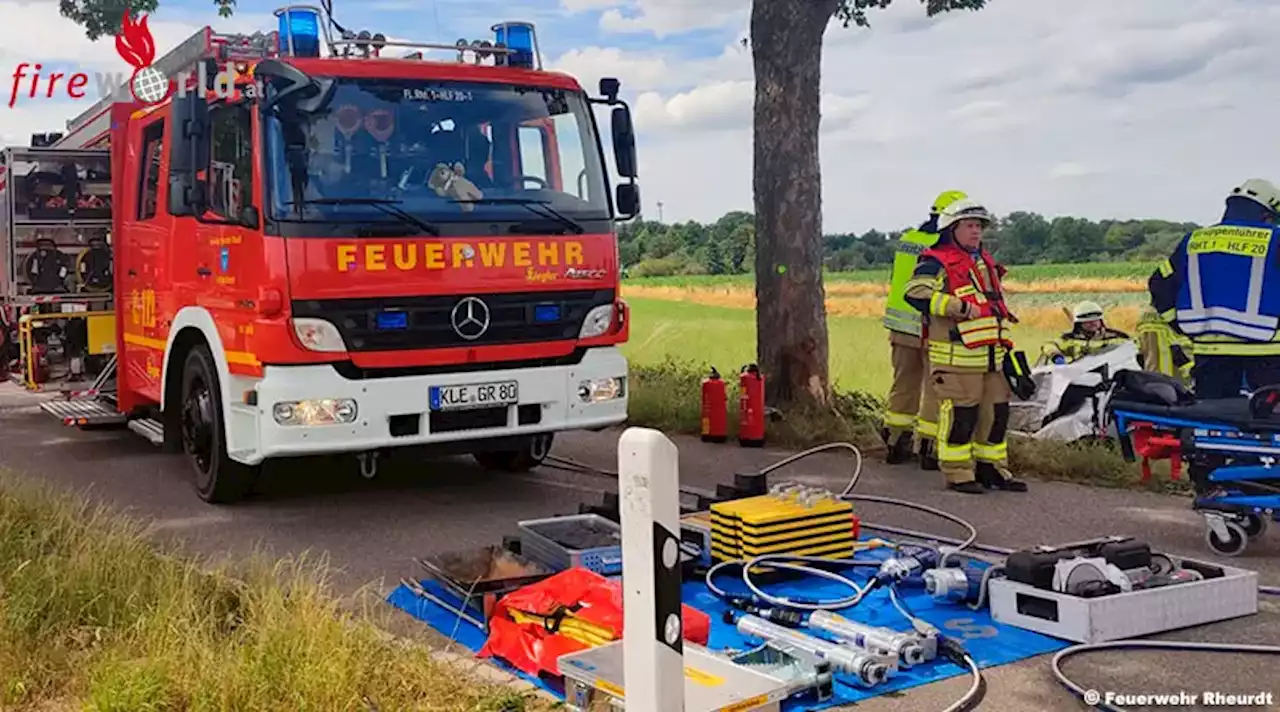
x: 551, y: 542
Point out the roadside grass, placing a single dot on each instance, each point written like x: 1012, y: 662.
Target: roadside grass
x: 667, y: 396
x: 95, y: 617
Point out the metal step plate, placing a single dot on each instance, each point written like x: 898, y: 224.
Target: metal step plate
x: 83, y: 411
x: 149, y: 428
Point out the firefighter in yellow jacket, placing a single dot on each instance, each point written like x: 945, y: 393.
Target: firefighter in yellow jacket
x: 956, y: 284
x: 1161, y: 349
x: 911, y: 403
x: 1089, y: 335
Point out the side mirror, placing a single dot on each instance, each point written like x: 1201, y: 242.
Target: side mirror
x: 188, y: 153
x: 624, y: 142
x: 628, y: 199
x: 249, y: 217
x: 609, y: 88
x: 290, y: 82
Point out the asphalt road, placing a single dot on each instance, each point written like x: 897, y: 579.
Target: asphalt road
x: 371, y: 529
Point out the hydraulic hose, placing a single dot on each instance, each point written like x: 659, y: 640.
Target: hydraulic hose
x: 952, y: 649
x: 1092, y: 698
x: 948, y: 647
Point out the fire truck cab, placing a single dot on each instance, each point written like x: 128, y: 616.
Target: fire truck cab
x: 349, y: 253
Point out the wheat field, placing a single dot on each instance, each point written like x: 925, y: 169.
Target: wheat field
x: 709, y: 320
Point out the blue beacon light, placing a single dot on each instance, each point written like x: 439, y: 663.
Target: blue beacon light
x: 303, y: 25
x: 518, y: 37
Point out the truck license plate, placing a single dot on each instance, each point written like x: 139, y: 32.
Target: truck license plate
x: 475, y: 395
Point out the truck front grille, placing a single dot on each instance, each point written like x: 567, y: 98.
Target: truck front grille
x: 397, y: 323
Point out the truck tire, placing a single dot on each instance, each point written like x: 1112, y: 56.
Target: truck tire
x: 527, y: 457
x: 219, y: 479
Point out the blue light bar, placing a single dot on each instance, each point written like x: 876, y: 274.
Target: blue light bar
x: 546, y: 312
x: 392, y: 320
x: 303, y: 25
x: 518, y: 37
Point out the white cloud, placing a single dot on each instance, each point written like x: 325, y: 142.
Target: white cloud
x: 586, y: 5
x: 638, y: 72
x: 1140, y: 108
x: 663, y: 17
x: 707, y: 106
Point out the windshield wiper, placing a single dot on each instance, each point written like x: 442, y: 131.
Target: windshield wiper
x: 537, y: 207
x: 386, y: 205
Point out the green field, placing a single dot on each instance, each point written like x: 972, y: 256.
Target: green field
x: 1023, y: 273
x: 726, y: 338
x: 709, y: 319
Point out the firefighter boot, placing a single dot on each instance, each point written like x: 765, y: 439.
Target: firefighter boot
x: 901, y: 450
x: 992, y: 476
x: 928, y: 455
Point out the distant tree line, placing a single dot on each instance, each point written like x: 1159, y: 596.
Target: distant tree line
x: 727, y: 246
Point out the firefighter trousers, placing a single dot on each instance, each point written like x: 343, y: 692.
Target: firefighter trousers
x: 973, y: 421
x: 910, y: 369
x: 927, y: 420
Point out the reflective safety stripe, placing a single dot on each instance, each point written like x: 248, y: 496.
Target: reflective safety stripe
x: 946, y: 451
x: 1166, y: 269
x: 1074, y: 348
x: 903, y: 322
x: 954, y: 453
x: 945, y: 354
x: 926, y: 429
x: 899, y: 420
x: 1223, y: 320
x: 1228, y: 348
x: 983, y: 331
x: 991, y: 453
x: 938, y: 303
x: 910, y: 248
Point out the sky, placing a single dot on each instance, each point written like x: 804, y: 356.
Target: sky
x: 1096, y: 108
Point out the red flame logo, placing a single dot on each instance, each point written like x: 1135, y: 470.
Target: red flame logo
x: 134, y: 43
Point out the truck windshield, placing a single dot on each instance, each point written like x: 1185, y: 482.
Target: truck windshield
x: 444, y: 153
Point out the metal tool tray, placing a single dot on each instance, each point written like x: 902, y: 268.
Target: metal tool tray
x: 552, y: 542
x: 479, y: 577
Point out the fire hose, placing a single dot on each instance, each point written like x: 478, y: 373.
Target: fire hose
x: 948, y: 647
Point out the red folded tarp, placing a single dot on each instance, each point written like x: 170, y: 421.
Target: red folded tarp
x: 591, y: 597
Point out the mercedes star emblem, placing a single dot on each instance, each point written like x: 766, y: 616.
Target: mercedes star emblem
x: 470, y: 318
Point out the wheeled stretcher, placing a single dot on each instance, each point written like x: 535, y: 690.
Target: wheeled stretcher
x: 1231, y: 447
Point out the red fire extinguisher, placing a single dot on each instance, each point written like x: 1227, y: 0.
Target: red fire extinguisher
x: 751, y: 407
x: 715, y: 408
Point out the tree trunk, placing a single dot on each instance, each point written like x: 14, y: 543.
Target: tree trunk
x: 791, y: 315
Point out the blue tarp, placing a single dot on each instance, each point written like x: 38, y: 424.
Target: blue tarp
x: 990, y: 643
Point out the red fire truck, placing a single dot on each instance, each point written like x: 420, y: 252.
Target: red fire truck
x: 317, y: 255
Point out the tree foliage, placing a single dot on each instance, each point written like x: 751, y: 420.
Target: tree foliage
x: 102, y: 18
x: 854, y: 12
x: 727, y: 246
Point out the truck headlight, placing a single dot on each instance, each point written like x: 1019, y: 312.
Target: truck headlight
x: 325, y: 411
x: 597, y: 322
x: 318, y: 335
x: 602, y: 389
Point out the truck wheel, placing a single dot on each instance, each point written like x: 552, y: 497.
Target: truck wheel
x: 219, y: 480
x: 529, y: 456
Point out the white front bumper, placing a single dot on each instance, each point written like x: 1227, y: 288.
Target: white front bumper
x: 553, y: 388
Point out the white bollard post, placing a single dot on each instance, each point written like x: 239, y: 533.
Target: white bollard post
x: 653, y: 635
